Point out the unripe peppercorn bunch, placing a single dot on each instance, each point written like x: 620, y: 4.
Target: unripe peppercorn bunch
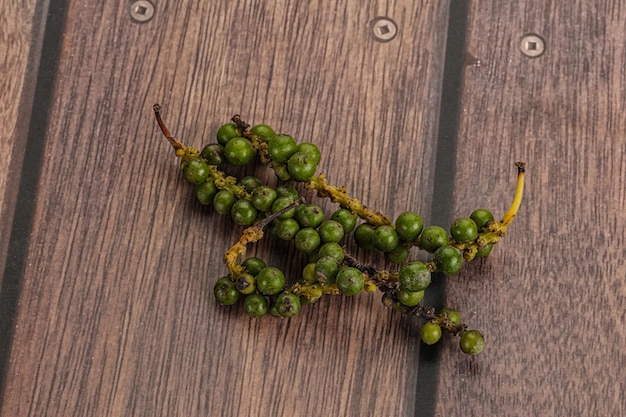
x: 282, y: 211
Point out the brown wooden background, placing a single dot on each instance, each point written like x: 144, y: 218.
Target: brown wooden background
x: 107, y: 306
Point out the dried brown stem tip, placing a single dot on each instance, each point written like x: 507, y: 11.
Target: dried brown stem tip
x: 173, y: 141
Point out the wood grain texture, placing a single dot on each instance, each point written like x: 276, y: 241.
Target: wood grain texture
x: 117, y: 315
x: 550, y: 299
x: 18, y: 35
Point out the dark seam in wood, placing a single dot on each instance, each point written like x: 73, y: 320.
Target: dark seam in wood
x: 443, y: 195
x: 29, y: 178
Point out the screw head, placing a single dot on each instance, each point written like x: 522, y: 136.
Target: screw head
x: 532, y: 45
x: 383, y: 29
x: 141, y: 11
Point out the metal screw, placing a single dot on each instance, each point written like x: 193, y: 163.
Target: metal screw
x: 384, y: 29
x: 532, y: 45
x: 141, y: 11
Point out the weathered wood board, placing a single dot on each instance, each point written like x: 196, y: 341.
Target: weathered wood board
x: 108, y: 305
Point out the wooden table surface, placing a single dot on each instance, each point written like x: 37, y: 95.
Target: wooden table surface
x: 106, y: 302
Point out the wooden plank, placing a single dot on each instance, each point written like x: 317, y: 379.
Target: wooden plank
x: 117, y: 315
x: 550, y: 299
x: 19, y: 31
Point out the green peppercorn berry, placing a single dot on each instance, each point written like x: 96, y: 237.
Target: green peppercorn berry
x: 331, y: 231
x: 364, y: 235
x: 301, y: 166
x: 285, y: 190
x: 196, y: 171
x: 270, y: 280
x: 332, y: 249
x: 239, y: 151
x: 250, y: 183
x: 253, y: 265
x: 226, y: 292
x: 350, y: 280
x: 255, y: 305
x: 397, y: 255
x: 279, y: 204
x: 313, y: 256
x: 281, y: 147
x: 205, y: 192
x: 273, y: 311
x: 452, y: 314
x: 243, y: 213
x: 312, y: 297
x: 263, y: 131
x: 472, y: 342
x: 287, y: 304
x: 448, y: 260
x: 311, y: 150
x: 346, y: 219
x: 326, y: 269
x: 227, y: 132
x: 263, y: 197
x: 223, y: 201
x: 281, y: 173
x: 286, y: 229
x: 308, y: 273
x: 409, y: 225
x: 213, y: 154
x: 410, y: 298
x: 432, y: 238
x: 307, y: 240
x: 386, y: 238
x: 309, y: 215
x: 246, y: 284
x: 484, y: 250
x: 482, y: 218
x: 271, y: 229
x: 464, y: 230
x: 430, y: 333
x: 389, y: 300
x: 414, y: 276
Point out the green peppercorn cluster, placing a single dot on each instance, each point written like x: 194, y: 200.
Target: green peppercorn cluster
x: 282, y: 212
